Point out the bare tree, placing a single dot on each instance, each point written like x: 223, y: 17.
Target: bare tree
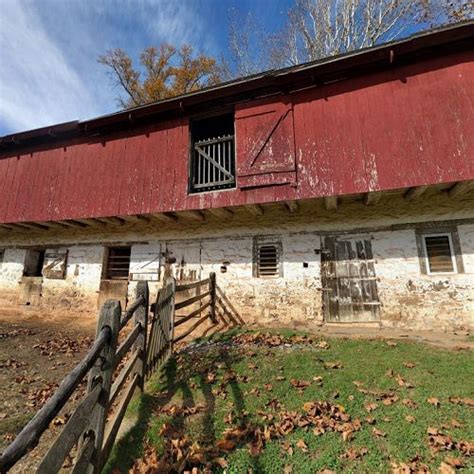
x: 320, y: 28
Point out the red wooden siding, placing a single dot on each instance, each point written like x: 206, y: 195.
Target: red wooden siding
x: 395, y: 129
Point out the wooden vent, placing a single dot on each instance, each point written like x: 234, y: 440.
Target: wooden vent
x: 439, y: 254
x: 118, y: 263
x: 268, y: 261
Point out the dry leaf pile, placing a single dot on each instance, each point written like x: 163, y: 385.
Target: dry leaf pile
x: 64, y: 345
x: 275, y: 340
x: 182, y: 454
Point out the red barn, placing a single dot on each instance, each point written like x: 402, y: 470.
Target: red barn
x: 338, y: 191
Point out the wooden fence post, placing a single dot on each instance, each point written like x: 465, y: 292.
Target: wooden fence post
x: 102, y: 374
x: 141, y: 318
x: 212, y: 289
x: 171, y: 285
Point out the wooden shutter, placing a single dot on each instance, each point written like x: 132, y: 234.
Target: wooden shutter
x: 265, y: 143
x: 55, y: 263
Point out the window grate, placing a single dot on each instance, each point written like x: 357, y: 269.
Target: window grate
x: 439, y: 253
x: 268, y: 260
x: 213, y: 164
x: 118, y: 263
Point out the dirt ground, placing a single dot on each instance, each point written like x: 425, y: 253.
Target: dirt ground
x: 34, y: 358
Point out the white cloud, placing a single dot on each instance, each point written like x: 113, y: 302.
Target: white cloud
x: 48, y: 52
x: 38, y: 84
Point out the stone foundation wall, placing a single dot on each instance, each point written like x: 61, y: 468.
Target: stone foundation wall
x: 408, y: 298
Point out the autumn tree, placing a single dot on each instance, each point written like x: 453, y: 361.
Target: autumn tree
x: 165, y: 71
x: 315, y: 29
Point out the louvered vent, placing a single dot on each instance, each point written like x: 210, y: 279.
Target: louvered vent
x: 268, y: 261
x: 439, y: 254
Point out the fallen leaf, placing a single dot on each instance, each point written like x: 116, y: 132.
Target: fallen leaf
x: 371, y: 407
x: 445, y: 468
x: 378, y: 433
x: 391, y: 343
x: 409, y: 365
x: 225, y: 444
x: 302, y: 445
x: 433, y: 401
x: 410, y: 419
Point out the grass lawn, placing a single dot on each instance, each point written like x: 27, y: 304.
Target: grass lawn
x: 249, y: 403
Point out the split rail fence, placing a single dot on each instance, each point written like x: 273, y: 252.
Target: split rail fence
x: 121, y: 358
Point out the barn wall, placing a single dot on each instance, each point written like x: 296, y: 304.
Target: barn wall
x: 404, y: 127
x: 409, y: 299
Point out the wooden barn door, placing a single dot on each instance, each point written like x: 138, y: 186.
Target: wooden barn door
x: 348, y: 279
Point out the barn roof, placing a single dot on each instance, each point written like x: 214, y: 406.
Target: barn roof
x: 433, y: 43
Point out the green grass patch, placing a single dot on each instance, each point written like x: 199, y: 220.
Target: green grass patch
x: 229, y: 385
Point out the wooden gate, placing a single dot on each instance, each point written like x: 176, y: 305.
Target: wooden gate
x: 348, y: 279
x: 162, y: 327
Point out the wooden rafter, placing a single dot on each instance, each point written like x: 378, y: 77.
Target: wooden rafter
x: 255, y: 209
x: 194, y: 215
x: 292, y: 206
x: 460, y: 188
x: 221, y: 213
x: 165, y: 217
x: 372, y: 198
x: 331, y: 203
x: 415, y: 192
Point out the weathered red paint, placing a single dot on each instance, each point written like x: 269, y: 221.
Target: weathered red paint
x: 400, y: 128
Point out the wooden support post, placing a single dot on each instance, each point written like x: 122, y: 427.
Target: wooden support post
x: 141, y: 318
x: 102, y: 374
x: 212, y: 290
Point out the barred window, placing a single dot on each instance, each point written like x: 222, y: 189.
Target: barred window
x: 118, y: 263
x: 267, y: 259
x: 439, y: 253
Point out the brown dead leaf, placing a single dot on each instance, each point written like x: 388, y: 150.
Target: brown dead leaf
x: 353, y: 453
x: 433, y: 401
x: 302, y: 445
x: 454, y: 462
x: 225, y: 444
x: 409, y: 365
x: 371, y: 407
x: 378, y: 433
x: 445, y: 468
x: 333, y: 365
x: 370, y: 420
x: 392, y: 343
x: 409, y: 403
x: 410, y: 419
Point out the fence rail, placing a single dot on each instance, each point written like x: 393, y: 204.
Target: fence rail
x: 116, y: 370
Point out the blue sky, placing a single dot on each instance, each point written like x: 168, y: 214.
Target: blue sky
x: 49, y: 48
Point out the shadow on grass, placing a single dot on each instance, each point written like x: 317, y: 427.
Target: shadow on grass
x: 170, y: 383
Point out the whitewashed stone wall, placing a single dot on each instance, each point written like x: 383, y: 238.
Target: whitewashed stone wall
x: 409, y: 299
